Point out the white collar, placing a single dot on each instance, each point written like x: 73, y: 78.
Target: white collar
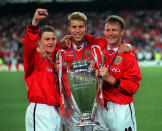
x: 115, y: 49
x: 81, y: 46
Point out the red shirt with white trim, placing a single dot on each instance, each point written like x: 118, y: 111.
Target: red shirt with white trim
x: 40, y: 80
x: 126, y: 71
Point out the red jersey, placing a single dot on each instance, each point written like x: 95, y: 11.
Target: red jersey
x: 39, y: 76
x: 74, y: 54
x: 92, y: 40
x: 84, y: 53
x: 126, y: 71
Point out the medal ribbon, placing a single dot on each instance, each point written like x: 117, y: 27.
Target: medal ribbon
x: 83, y: 51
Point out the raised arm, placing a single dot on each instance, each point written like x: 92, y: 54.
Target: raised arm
x: 31, y: 38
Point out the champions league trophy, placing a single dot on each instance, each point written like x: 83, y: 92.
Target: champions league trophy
x: 85, y: 90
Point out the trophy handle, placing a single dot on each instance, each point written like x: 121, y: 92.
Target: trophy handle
x: 95, y: 54
x: 99, y: 83
x: 70, y: 102
x: 59, y: 57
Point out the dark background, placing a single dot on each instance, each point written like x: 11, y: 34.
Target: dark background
x: 96, y: 5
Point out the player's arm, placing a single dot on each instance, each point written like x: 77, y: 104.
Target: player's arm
x: 131, y: 76
x: 32, y: 32
x: 31, y: 39
x: 129, y: 83
x: 30, y: 43
x: 66, y: 41
x: 101, y: 41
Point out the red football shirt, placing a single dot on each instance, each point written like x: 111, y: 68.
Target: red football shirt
x: 125, y: 69
x: 40, y: 80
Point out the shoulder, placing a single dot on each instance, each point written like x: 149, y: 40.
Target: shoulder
x: 90, y: 38
x: 128, y: 57
x: 128, y: 54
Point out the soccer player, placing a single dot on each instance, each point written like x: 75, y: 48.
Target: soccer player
x: 42, y: 113
x: 80, y: 49
x: 121, y: 76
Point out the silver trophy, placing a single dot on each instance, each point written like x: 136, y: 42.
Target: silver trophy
x: 85, y: 90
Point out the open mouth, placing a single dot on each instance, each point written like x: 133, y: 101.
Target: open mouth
x: 50, y: 46
x: 78, y: 35
x: 112, y: 37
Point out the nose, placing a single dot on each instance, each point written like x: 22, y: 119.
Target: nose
x: 77, y: 29
x: 52, y: 41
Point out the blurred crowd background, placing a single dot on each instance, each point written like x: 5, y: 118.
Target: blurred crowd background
x: 143, y: 31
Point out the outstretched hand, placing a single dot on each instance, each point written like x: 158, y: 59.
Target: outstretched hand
x: 39, y: 15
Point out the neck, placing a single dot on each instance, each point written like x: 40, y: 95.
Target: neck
x: 115, y: 45
x: 78, y: 43
x: 49, y: 54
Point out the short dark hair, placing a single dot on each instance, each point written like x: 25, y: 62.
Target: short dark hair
x: 115, y: 19
x: 46, y: 28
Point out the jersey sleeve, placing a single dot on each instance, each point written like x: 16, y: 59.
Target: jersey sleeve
x: 30, y: 42
x: 29, y: 46
x: 129, y: 83
x: 92, y: 40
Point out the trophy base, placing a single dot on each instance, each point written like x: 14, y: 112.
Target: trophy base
x: 87, y: 123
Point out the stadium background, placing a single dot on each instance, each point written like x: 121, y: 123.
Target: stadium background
x: 143, y: 31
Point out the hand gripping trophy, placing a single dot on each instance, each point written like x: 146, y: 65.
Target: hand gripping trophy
x: 86, y: 91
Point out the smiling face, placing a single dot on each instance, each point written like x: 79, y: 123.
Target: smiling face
x: 113, y: 34
x: 77, y: 28
x: 48, y: 41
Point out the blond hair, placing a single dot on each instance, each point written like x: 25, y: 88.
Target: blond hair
x: 77, y: 16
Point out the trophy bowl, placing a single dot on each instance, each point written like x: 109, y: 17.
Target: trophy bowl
x: 82, y: 81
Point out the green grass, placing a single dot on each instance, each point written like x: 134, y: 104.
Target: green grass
x: 13, y: 101
x: 147, y: 101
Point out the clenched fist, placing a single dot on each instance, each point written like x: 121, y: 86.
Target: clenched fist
x: 39, y: 15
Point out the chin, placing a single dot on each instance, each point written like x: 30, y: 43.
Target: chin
x: 112, y: 42
x: 51, y: 50
x: 77, y: 40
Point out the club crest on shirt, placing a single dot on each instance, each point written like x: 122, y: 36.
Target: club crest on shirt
x: 118, y: 60
x: 88, y: 54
